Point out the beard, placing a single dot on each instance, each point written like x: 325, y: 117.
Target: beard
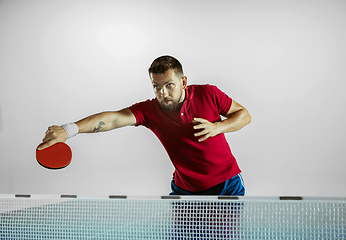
x: 171, y: 106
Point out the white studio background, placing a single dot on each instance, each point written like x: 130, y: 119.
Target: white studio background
x: 61, y: 61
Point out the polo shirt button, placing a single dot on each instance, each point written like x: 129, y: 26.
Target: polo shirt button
x: 182, y: 114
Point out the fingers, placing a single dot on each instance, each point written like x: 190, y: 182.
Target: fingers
x: 49, y: 134
x: 46, y: 145
x: 203, y: 138
x: 209, y: 129
x: 205, y: 133
x: 202, y: 121
x: 53, y: 135
x: 199, y: 120
x: 201, y: 133
x: 202, y: 124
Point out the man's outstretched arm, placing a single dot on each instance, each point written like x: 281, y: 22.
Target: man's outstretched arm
x: 237, y: 117
x: 100, y: 122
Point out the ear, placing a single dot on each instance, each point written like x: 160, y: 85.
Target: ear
x: 184, y: 82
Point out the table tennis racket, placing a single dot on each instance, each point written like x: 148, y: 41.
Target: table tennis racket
x: 56, y: 156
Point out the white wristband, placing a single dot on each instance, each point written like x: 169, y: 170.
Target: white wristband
x: 71, y: 129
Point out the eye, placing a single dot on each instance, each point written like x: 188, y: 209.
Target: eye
x: 170, y: 85
x: 156, y: 86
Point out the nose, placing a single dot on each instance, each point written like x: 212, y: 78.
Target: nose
x: 164, y: 92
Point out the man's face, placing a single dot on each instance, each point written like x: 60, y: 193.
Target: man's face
x: 169, y: 89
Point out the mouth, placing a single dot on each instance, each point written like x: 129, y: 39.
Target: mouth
x: 168, y: 104
x: 166, y: 101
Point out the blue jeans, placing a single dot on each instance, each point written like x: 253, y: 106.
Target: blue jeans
x: 233, y: 186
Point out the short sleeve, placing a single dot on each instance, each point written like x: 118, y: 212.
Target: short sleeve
x: 142, y: 112
x: 222, y: 100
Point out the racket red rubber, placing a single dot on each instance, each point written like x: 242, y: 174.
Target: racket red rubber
x: 56, y: 156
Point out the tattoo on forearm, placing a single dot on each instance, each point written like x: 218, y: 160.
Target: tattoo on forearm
x: 99, y: 128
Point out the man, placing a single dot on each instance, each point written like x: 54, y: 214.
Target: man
x: 187, y: 121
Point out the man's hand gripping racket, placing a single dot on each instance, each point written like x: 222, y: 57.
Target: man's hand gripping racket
x: 53, y: 153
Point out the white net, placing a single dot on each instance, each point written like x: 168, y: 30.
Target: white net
x: 184, y: 218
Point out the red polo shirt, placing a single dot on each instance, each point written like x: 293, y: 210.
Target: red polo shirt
x: 198, y: 165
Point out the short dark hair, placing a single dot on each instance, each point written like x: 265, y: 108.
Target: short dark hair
x: 163, y: 63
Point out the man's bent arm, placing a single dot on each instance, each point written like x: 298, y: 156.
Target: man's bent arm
x: 236, y: 118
